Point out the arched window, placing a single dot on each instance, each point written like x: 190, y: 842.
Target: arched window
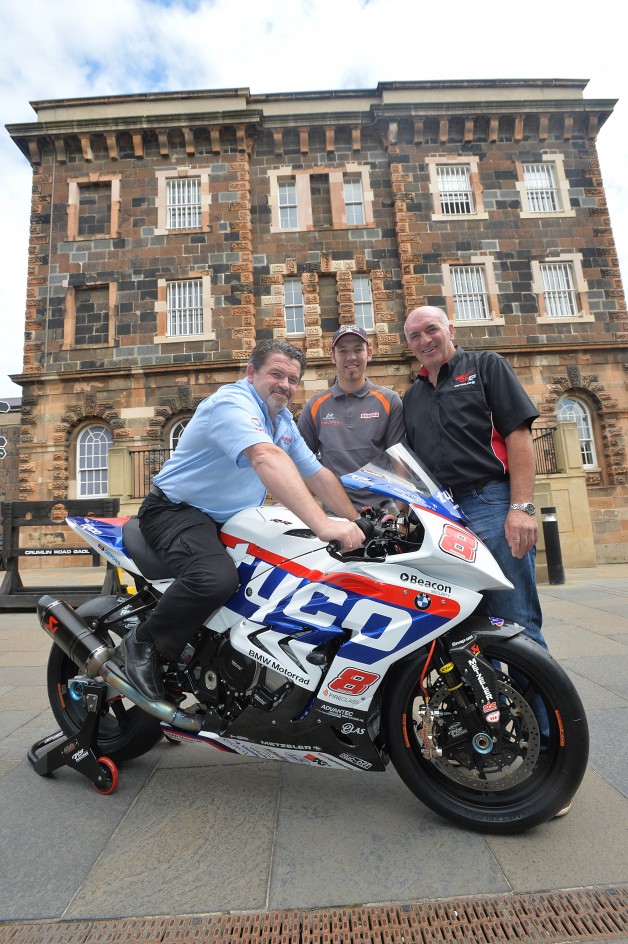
x: 92, y: 448
x: 175, y: 433
x: 569, y: 409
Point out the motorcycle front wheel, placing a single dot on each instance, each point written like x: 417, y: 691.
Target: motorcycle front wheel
x: 503, y: 781
x: 124, y: 730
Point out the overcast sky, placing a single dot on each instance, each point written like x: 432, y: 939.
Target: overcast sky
x: 74, y: 48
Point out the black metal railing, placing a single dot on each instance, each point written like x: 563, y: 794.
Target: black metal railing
x: 145, y: 464
x: 544, y: 450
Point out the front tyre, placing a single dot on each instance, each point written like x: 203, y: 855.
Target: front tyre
x: 503, y: 781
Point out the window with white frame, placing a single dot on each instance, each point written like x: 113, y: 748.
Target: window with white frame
x: 176, y: 433
x: 454, y: 188
x: 569, y: 409
x: 363, y: 302
x: 354, y: 199
x: 543, y: 187
x: 183, y: 195
x: 559, y: 290
x: 287, y: 194
x: 183, y: 199
x: 293, y: 306
x: 307, y: 199
x: 184, y: 307
x: 543, y: 193
x: 92, y: 450
x: 470, y: 297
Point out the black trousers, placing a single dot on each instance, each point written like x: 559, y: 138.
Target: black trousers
x: 188, y: 542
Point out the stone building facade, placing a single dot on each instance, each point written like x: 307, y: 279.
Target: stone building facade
x: 170, y: 232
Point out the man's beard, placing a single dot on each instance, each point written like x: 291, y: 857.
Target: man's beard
x: 277, y: 402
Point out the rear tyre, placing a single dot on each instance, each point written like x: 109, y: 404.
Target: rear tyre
x: 124, y: 730
x: 520, y: 778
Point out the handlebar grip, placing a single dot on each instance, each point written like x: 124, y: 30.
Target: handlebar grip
x: 366, y: 527
x: 333, y: 549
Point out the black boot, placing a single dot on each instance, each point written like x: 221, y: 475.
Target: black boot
x: 140, y: 666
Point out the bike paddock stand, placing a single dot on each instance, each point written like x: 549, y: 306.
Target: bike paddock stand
x: 79, y: 751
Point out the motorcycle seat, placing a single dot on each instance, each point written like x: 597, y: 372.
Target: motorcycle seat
x: 150, y: 564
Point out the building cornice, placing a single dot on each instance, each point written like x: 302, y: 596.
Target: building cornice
x: 383, y: 108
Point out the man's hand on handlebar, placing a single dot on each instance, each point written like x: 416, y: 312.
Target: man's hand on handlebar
x: 346, y: 532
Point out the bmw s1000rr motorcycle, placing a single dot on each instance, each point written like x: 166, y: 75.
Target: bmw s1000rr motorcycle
x: 338, y: 660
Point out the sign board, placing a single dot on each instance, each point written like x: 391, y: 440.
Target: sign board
x: 4, y: 406
x: 53, y: 551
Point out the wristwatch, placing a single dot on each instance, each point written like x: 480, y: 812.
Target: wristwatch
x: 528, y: 508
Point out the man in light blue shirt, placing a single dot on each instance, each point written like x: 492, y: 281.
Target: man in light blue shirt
x: 240, y: 443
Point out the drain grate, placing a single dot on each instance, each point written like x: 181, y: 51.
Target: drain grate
x: 550, y: 918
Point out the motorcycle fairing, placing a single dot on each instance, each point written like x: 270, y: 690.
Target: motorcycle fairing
x: 105, y: 536
x: 294, y: 755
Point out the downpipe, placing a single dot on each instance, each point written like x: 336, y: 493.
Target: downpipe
x: 70, y: 632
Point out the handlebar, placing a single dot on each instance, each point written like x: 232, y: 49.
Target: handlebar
x: 333, y: 549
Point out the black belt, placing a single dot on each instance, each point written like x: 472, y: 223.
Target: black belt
x: 156, y: 490
x: 478, y: 487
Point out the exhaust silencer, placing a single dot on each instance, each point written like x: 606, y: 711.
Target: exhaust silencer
x: 71, y: 633
x: 74, y: 637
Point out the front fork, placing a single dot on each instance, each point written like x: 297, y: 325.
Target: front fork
x: 462, y: 666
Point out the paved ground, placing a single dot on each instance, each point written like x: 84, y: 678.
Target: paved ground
x: 193, y: 832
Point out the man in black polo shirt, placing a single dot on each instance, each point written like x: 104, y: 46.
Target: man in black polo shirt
x: 351, y: 422
x: 469, y: 419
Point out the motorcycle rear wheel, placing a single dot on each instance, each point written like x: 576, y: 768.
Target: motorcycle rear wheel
x: 124, y: 730
x: 530, y: 776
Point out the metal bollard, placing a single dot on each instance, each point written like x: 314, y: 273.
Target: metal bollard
x: 555, y: 570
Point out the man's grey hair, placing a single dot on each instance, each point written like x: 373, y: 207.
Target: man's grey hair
x: 264, y: 349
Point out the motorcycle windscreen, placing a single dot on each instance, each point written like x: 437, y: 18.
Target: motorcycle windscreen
x: 399, y: 473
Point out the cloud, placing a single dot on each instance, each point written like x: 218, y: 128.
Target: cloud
x: 69, y: 49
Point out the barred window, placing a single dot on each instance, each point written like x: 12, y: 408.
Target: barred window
x: 92, y: 450
x: 469, y: 293
x: 559, y: 290
x: 184, y: 203
x: 287, y: 192
x: 354, y: 200
x: 363, y: 302
x: 542, y: 190
x: 185, y: 307
x: 454, y: 188
x: 569, y: 409
x: 293, y: 306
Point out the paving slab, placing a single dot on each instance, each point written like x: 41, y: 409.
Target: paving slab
x: 196, y: 840
x: 609, y: 673
x: 608, y: 750
x: 585, y: 848
x: 54, y: 830
x: 345, y: 837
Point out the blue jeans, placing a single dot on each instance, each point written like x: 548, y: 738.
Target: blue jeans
x: 487, y: 515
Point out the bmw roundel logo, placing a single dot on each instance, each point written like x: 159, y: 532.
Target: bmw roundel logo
x: 422, y: 601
